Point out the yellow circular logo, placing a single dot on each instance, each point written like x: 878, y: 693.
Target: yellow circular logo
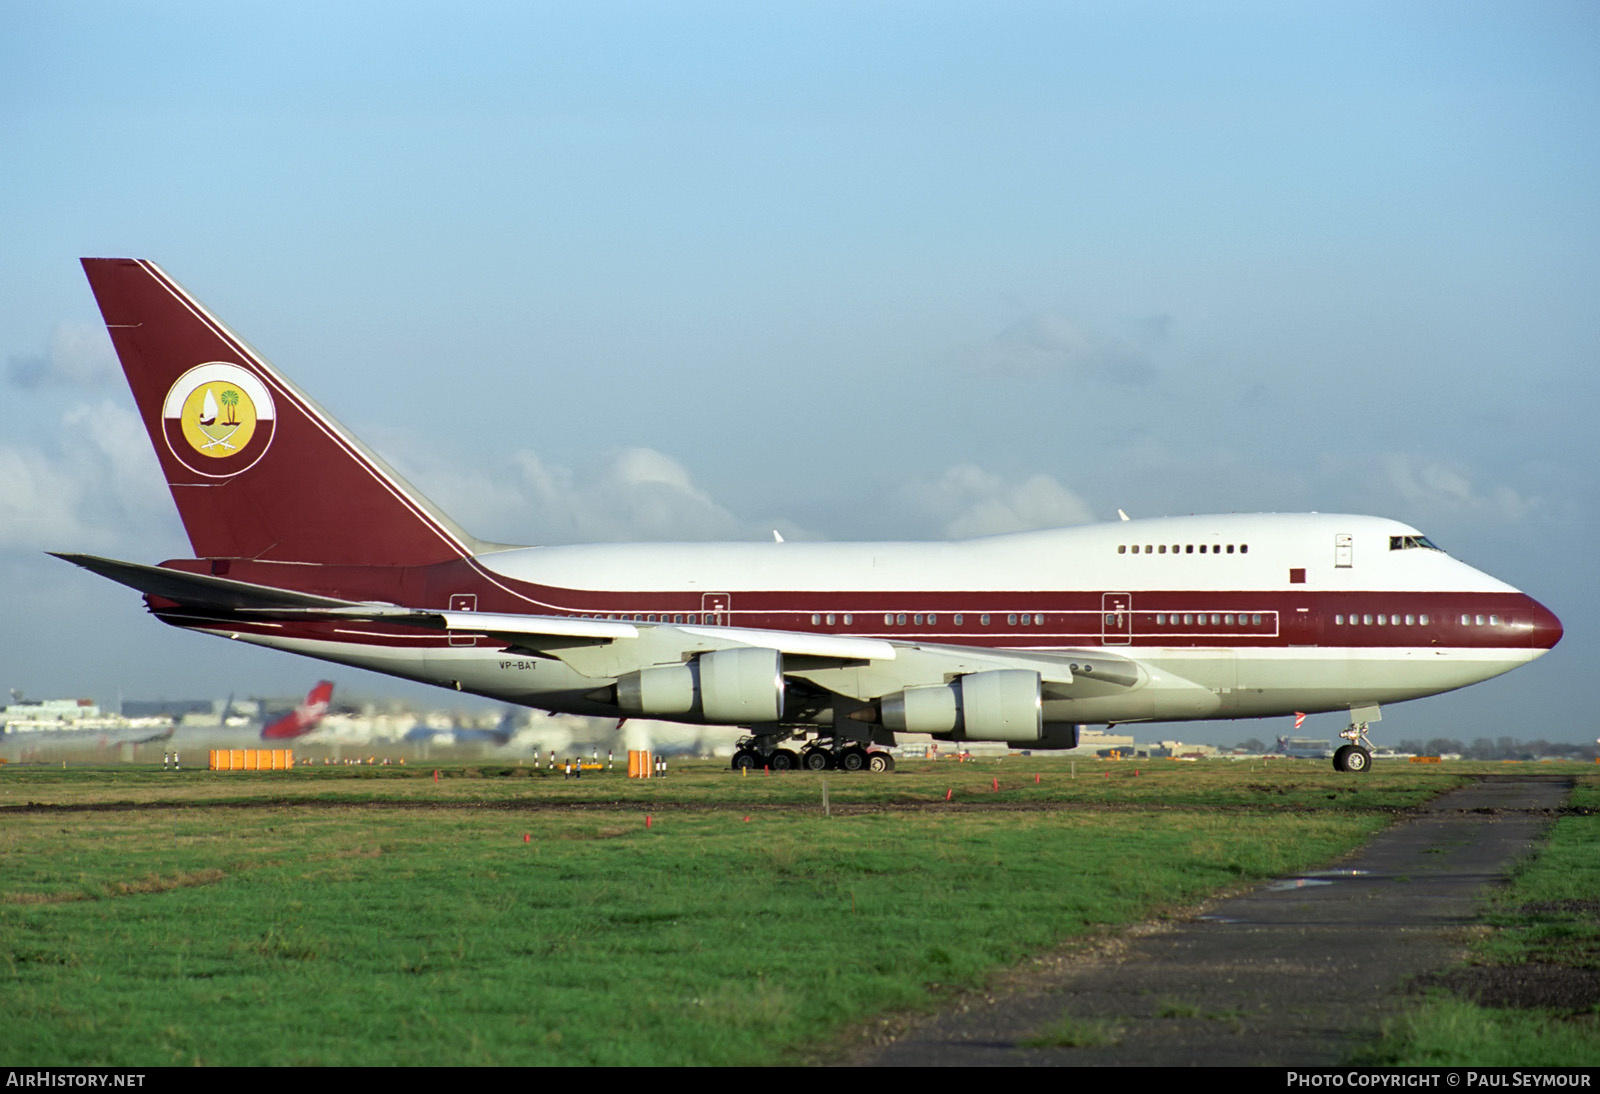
x: 222, y: 412
x: 219, y: 418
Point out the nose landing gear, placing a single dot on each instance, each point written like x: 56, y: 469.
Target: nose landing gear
x: 1357, y: 755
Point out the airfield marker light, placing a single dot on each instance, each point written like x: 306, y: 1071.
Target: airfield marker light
x: 647, y: 819
x: 1035, y: 778
x: 996, y: 786
x: 436, y: 774
x: 948, y: 791
x: 747, y: 819
x: 527, y: 837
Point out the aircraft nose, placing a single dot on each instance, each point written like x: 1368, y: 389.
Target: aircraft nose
x: 1547, y: 629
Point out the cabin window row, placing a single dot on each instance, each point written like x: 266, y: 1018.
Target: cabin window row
x: 1217, y: 619
x: 1183, y: 548
x: 1368, y: 620
x: 662, y: 617
x: 931, y: 619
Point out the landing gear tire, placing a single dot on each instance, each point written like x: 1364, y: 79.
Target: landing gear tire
x: 1352, y: 758
x: 853, y: 758
x: 782, y: 759
x: 816, y: 759
x: 746, y: 759
x: 880, y: 761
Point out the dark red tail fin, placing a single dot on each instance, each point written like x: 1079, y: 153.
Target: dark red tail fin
x: 259, y: 470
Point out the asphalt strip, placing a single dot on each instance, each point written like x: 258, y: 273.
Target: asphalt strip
x: 1299, y: 972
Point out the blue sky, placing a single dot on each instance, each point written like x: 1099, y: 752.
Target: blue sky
x: 696, y: 271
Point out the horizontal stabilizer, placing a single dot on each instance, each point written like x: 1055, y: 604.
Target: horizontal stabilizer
x: 199, y: 590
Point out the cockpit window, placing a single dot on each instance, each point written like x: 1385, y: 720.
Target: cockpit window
x: 1405, y: 543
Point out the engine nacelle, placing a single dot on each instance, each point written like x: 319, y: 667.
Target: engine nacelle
x: 739, y: 686
x: 1001, y: 705
x: 660, y: 689
x: 1059, y: 736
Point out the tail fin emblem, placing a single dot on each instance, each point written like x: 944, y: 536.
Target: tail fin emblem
x: 218, y: 419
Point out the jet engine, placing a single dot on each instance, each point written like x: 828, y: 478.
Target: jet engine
x: 1001, y: 705
x: 739, y: 686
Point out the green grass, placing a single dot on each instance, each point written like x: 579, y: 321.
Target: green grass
x: 1076, y: 1033
x: 1448, y: 1032
x: 371, y: 916
x: 1548, y: 915
x: 1014, y: 780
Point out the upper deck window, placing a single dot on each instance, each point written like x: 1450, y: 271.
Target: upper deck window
x: 1213, y: 549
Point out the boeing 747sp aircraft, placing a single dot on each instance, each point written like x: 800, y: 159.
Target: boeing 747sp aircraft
x: 305, y: 540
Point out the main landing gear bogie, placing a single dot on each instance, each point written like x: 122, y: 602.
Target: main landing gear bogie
x: 754, y: 756
x: 816, y: 759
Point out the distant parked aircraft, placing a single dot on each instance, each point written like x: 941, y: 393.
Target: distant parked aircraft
x: 303, y: 718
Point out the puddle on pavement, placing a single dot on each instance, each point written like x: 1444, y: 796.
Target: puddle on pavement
x: 1289, y: 884
x: 1316, y: 877
x: 1295, y: 883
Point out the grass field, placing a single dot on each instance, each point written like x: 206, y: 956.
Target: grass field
x: 501, y: 916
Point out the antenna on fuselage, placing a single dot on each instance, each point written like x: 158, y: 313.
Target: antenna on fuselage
x: 1123, y: 515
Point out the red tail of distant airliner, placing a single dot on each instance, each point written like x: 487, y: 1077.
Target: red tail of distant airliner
x: 258, y: 470
x: 302, y: 719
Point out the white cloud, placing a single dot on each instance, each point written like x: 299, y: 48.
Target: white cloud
x: 76, y: 355
x: 1436, y: 487
x: 1042, y: 342
x: 97, y: 487
x: 633, y: 494
x: 968, y: 501
x: 39, y: 500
